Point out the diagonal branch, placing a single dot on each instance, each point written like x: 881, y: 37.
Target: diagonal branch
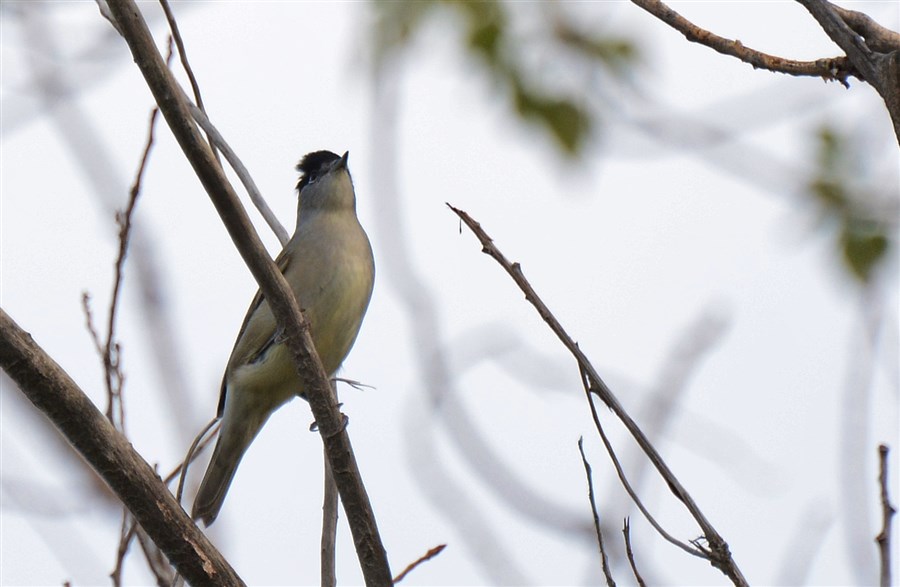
x: 54, y: 393
x: 717, y: 552
x: 880, y: 70
x: 284, y: 305
x: 620, y: 472
x: 838, y: 31
x: 877, y: 37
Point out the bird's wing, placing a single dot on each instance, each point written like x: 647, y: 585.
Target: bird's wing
x: 252, y: 349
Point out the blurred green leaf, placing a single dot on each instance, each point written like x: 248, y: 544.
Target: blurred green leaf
x: 569, y: 125
x: 863, y: 240
x: 863, y: 250
x: 487, y: 35
x: 830, y: 193
x: 617, y: 54
x: 396, y: 23
x: 487, y: 26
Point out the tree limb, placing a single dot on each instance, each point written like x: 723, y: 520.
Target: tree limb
x: 54, y: 393
x: 881, y: 70
x: 835, y: 68
x: 284, y: 305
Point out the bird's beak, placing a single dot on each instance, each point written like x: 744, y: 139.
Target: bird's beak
x: 343, y: 162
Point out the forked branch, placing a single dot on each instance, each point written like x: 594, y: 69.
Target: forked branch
x: 716, y: 550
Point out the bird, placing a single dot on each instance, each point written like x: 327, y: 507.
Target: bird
x: 328, y: 263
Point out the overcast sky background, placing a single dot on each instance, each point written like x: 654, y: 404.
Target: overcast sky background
x: 684, y: 252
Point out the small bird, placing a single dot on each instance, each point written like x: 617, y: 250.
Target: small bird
x: 329, y: 265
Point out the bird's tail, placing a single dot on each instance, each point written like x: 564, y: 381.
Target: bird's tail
x: 234, y: 439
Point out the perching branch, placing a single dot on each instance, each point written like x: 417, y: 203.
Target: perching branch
x: 284, y: 305
x: 54, y: 393
x: 716, y: 551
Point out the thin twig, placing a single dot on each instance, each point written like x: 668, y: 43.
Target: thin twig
x: 156, y: 562
x: 717, y: 552
x: 192, y: 454
x: 629, y: 553
x: 624, y: 479
x: 111, y: 352
x: 835, y: 68
x: 89, y: 322
x: 216, y: 138
x: 887, y: 512
x: 427, y: 556
x: 182, y: 54
x: 124, y: 543
x: 327, y: 549
x: 604, y: 560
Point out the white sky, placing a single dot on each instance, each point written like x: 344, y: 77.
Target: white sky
x: 775, y: 434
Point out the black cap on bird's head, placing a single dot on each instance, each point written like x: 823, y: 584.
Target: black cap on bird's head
x: 315, y: 164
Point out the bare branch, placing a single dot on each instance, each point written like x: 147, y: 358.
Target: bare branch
x: 124, y: 543
x: 887, y: 512
x: 54, y: 393
x: 877, y: 37
x: 717, y: 552
x: 880, y: 70
x: 585, y: 378
x: 182, y: 53
x: 156, y: 561
x: 112, y: 367
x: 327, y: 549
x: 838, y: 31
x: 603, y: 558
x: 216, y: 138
x: 193, y: 452
x: 284, y: 305
x: 835, y: 68
x: 427, y: 556
x: 626, y: 530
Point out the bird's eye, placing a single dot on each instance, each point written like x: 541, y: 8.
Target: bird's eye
x: 313, y: 176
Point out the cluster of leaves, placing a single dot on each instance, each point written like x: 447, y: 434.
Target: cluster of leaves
x: 490, y: 41
x: 863, y: 232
